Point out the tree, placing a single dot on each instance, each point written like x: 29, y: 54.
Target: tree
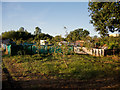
x: 21, y: 34
x: 9, y: 35
x: 37, y: 31
x: 85, y: 33
x: 58, y: 38
x: 77, y: 34
x: 43, y: 36
x: 95, y: 37
x: 105, y: 16
x: 21, y: 29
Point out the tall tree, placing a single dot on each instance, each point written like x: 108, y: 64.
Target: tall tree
x: 77, y: 34
x: 9, y: 35
x: 16, y: 35
x: 37, y: 31
x: 43, y: 36
x: 58, y: 38
x: 105, y: 16
x: 21, y: 29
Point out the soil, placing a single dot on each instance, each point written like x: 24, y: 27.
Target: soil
x: 37, y: 81
x: 23, y: 84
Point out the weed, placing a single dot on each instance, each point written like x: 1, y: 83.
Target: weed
x: 78, y: 66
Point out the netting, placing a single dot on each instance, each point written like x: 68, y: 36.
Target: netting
x: 32, y: 49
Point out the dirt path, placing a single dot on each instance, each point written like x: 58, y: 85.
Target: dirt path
x: 87, y: 84
x: 8, y: 83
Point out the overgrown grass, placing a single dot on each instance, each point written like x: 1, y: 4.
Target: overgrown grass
x: 79, y: 66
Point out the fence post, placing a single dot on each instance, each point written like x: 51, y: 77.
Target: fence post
x: 103, y: 53
x: 92, y: 51
x: 97, y: 52
x: 31, y: 49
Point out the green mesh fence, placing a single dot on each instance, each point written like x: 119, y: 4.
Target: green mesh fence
x: 16, y: 49
x: 27, y: 49
x: 51, y: 49
x: 32, y: 49
x: 43, y: 49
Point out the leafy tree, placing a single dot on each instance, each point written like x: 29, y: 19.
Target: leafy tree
x: 95, y: 37
x: 77, y: 34
x: 24, y: 35
x: 58, y: 38
x: 43, y: 36
x: 111, y: 42
x: 85, y: 33
x: 37, y: 31
x: 21, y: 29
x: 17, y: 35
x: 9, y: 35
x: 105, y: 16
x: 88, y: 42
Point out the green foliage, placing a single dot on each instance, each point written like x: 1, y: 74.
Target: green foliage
x: 58, y: 38
x: 61, y: 53
x: 113, y: 46
x: 77, y: 34
x: 9, y: 35
x: 37, y: 31
x: 16, y: 35
x: 21, y: 36
x: 43, y: 36
x: 21, y: 29
x: 105, y: 16
x: 110, y: 42
x: 88, y: 42
x: 79, y: 66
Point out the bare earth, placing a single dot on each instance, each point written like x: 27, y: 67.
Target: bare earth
x: 60, y: 83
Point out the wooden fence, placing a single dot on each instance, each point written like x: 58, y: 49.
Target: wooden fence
x: 96, y: 52
x: 92, y: 51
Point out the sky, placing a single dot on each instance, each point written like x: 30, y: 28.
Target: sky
x: 51, y: 17
x: 0, y: 17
